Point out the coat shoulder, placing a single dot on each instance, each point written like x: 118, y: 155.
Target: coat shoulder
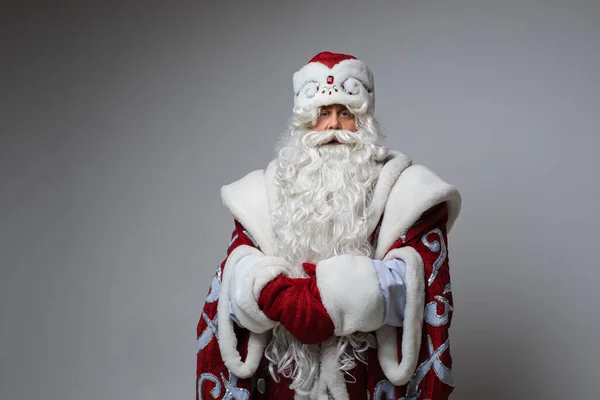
x: 248, y: 201
x: 417, y: 190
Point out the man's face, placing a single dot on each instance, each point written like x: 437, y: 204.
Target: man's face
x: 335, y: 116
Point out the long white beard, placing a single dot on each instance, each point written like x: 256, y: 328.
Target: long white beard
x: 323, y: 194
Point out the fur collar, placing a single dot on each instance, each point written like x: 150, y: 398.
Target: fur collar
x: 402, y: 193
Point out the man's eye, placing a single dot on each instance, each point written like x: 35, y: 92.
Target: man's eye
x: 324, y: 114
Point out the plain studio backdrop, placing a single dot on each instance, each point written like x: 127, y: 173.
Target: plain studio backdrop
x: 121, y: 121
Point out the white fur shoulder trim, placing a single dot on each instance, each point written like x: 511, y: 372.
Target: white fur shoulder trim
x: 400, y: 372
x: 248, y: 201
x: 391, y: 170
x: 416, y: 190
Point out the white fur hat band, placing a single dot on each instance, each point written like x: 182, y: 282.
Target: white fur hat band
x: 333, y: 78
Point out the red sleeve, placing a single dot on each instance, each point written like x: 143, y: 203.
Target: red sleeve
x: 296, y: 304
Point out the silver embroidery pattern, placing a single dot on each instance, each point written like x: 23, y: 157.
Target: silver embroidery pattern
x: 415, y: 397
x: 216, y: 391
x: 208, y: 333
x: 231, y: 389
x: 215, y: 290
x: 233, y: 239
x: 440, y: 370
x: 211, y: 329
x: 435, y: 246
x: 219, y: 272
x: 447, y: 289
x: 384, y: 389
x: 232, y: 392
x: 431, y: 315
x: 251, y: 238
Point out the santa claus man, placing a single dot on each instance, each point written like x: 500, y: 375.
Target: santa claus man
x: 336, y: 283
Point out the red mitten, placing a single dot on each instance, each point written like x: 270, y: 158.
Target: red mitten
x: 296, y: 304
x: 309, y: 268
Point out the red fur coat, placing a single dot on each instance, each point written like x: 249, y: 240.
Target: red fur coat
x: 412, y: 362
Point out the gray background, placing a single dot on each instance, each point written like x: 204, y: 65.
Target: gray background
x: 119, y: 123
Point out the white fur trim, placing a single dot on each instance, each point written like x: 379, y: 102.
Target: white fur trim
x: 397, y: 372
x: 416, y: 191
x: 330, y: 376
x: 248, y: 202
x: 350, y: 292
x: 341, y: 70
x: 249, y: 271
x: 252, y: 198
x: 391, y: 170
x: 245, y: 274
x: 228, y: 341
x: 358, y: 91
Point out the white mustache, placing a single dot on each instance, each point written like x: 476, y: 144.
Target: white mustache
x: 319, y: 138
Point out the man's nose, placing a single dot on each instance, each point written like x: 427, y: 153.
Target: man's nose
x: 333, y: 123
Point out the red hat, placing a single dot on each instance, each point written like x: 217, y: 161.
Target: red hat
x: 334, y: 78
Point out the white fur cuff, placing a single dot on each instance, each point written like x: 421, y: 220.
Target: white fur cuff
x: 400, y: 372
x: 250, y: 272
x: 350, y: 292
x: 246, y: 272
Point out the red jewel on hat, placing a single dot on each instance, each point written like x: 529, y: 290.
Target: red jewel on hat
x: 330, y: 79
